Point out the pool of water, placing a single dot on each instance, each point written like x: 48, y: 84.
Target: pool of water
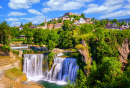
x: 50, y: 85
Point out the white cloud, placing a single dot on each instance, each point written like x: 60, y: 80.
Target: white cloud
x: 1, y: 7
x: 35, y: 20
x: 113, y: 2
x: 46, y: 10
x: 19, y: 4
x: 33, y: 11
x: 16, y: 14
x: 28, y: 19
x: 127, y: 6
x: 128, y: 0
x: 92, y: 5
x: 116, y: 14
x: 84, y: 0
x: 12, y: 19
x: 63, y: 5
x: 15, y: 24
x: 101, y: 9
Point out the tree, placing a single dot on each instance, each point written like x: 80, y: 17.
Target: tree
x: 123, y: 23
x: 4, y: 33
x: 85, y: 28
x: 42, y: 24
x: 30, y: 24
x: 14, y: 32
x: 66, y: 39
x: 83, y: 16
x: 60, y: 21
x: 66, y: 25
x: 51, y: 45
x: 29, y: 35
x: 21, y: 25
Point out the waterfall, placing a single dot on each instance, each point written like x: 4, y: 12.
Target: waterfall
x: 63, y: 69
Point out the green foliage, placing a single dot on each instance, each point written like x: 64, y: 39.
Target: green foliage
x: 83, y: 16
x: 66, y: 39
x: 80, y: 46
x: 66, y: 25
x: 60, y: 21
x: 50, y: 59
x: 85, y: 28
x: 5, y: 48
x: 13, y: 73
x: 15, y: 52
x: 14, y: 32
x: 42, y: 24
x: 29, y: 35
x: 75, y: 17
x: 4, y: 33
x: 51, y: 45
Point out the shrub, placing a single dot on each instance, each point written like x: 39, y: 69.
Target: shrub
x: 80, y: 46
x: 5, y: 48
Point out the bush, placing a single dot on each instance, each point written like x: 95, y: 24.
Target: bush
x: 80, y: 46
x: 50, y: 59
x: 5, y: 48
x: 15, y: 52
x: 13, y: 73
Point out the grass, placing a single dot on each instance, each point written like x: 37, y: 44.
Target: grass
x: 13, y: 73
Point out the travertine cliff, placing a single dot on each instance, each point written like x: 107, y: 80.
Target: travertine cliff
x: 85, y: 56
x: 124, y: 51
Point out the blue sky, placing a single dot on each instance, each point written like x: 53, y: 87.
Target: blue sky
x: 16, y: 12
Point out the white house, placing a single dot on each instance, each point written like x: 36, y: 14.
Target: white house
x: 126, y: 26
x: 20, y: 28
x: 81, y: 21
x: 56, y: 19
x: 72, y: 19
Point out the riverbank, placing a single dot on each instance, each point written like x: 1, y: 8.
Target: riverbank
x: 32, y: 85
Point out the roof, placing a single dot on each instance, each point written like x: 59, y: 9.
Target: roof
x: 88, y: 18
x: 58, y: 24
x: 32, y: 27
x: 76, y: 21
x: 50, y: 24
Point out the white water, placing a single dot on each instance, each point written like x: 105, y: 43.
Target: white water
x: 62, y: 70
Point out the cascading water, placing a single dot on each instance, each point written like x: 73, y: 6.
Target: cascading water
x: 62, y: 70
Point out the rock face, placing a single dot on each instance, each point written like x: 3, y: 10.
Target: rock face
x: 85, y: 56
x: 124, y: 51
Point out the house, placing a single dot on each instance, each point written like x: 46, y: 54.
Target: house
x: 32, y: 27
x: 50, y: 26
x: 56, y: 19
x: 81, y: 21
x: 20, y: 28
x: 65, y: 18
x: 88, y: 19
x: 69, y: 14
x: 76, y: 22
x: 72, y: 19
x: 58, y: 25
x: 113, y: 26
x: 126, y: 26
x: 16, y: 26
x: 21, y: 36
x: 42, y: 27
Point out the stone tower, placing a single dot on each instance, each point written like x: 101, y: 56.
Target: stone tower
x: 45, y: 24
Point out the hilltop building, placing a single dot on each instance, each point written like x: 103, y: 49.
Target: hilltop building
x: 126, y: 26
x: 32, y: 27
x: 69, y: 14
x: 81, y: 21
x: 50, y: 26
x: 58, y: 25
x: 113, y: 26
